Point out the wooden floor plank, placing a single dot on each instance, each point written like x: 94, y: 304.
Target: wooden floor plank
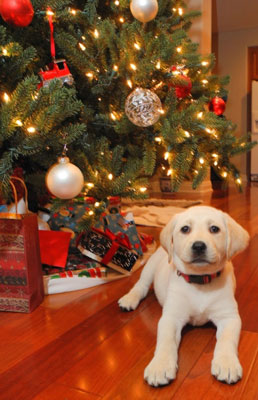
x: 27, y: 333
x: 133, y: 386
x: 62, y: 392
x: 200, y: 384
x: 52, y: 361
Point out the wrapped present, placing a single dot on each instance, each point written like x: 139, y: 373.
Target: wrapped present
x: 21, y: 280
x: 114, y: 204
x: 123, y: 226
x: 75, y: 261
x: 90, y: 272
x: 54, y: 247
x: 68, y: 217
x: 112, y: 250
x: 145, y: 241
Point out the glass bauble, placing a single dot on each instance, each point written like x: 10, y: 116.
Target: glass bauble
x: 143, y: 107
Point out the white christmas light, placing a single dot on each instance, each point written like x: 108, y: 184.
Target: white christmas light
x: 31, y: 129
x: 81, y: 45
x: 110, y: 177
x: 133, y: 67
x: 96, y: 33
x: 6, y: 97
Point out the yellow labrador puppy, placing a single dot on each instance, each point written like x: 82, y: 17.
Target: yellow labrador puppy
x: 194, y: 282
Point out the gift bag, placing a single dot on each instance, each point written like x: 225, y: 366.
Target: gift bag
x: 21, y: 280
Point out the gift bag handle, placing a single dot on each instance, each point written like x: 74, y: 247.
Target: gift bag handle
x: 15, y: 193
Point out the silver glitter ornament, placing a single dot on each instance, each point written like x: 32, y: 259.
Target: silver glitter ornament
x: 64, y: 179
x: 144, y: 10
x: 143, y: 107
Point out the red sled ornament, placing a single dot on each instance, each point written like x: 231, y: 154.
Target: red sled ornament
x: 57, y: 69
x: 183, y: 89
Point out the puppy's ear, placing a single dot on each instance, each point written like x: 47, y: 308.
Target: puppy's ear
x: 166, y: 237
x: 237, y: 237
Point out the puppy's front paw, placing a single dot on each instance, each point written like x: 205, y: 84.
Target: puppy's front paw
x: 129, y: 301
x: 160, y: 371
x: 226, y: 368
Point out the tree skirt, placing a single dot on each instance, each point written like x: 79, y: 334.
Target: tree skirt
x: 155, y: 212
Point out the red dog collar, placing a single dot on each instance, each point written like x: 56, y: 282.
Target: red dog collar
x: 199, y: 279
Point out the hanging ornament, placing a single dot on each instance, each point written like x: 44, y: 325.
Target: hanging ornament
x: 16, y: 12
x: 144, y: 10
x: 143, y: 107
x: 64, y: 179
x: 217, y: 105
x: 57, y: 69
x: 182, y: 89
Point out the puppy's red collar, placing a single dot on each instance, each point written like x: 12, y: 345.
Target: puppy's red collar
x: 199, y: 279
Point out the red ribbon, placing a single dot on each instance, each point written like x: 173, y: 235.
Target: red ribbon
x: 52, y: 41
x: 117, y: 240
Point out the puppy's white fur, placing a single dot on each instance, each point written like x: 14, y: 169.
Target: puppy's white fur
x: 197, y: 304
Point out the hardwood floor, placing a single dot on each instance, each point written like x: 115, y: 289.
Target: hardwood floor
x: 80, y: 346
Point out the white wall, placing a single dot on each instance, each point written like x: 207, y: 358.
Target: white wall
x: 233, y: 61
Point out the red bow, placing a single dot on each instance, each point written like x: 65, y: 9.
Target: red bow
x: 117, y: 240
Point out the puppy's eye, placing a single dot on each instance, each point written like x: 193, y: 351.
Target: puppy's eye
x: 185, y: 229
x: 214, y: 229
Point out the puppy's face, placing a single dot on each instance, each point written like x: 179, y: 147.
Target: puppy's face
x: 202, y: 238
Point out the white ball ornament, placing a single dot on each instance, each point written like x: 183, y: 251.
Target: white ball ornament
x: 64, y: 179
x: 143, y: 107
x: 144, y: 10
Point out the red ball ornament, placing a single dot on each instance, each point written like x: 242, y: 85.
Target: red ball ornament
x: 217, y: 105
x: 16, y: 12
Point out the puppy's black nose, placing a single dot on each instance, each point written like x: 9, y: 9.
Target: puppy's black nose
x: 199, y: 247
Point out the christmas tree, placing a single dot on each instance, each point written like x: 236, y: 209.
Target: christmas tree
x: 132, y: 95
